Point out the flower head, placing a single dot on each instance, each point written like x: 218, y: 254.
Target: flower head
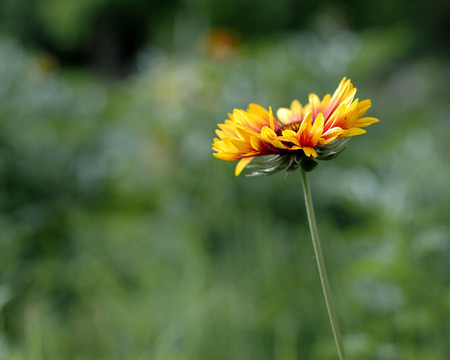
x: 297, y: 136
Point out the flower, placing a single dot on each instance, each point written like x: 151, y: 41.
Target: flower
x: 299, y: 135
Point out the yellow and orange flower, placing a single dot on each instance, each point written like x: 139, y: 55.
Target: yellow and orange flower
x: 299, y: 134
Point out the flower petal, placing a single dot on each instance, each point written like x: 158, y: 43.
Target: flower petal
x: 242, y: 164
x: 284, y: 115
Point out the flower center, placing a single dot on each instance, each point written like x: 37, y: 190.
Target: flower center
x: 294, y: 126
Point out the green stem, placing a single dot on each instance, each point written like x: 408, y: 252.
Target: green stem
x: 321, y: 266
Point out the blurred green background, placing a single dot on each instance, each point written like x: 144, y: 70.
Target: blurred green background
x: 121, y: 237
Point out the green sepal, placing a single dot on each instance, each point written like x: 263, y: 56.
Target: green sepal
x: 331, y: 150
x: 308, y: 164
x: 291, y: 161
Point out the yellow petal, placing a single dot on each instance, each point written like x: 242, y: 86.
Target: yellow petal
x: 254, y: 141
x: 259, y: 110
x: 240, y: 117
x: 241, y: 145
x: 363, y: 106
x: 289, y: 133
x: 349, y: 97
x: 332, y: 134
x: 290, y: 136
x: 366, y: 121
x: 317, y: 129
x: 326, y: 101
x: 220, y: 133
x: 306, y: 125
x: 244, y: 133
x: 318, y: 123
x: 284, y: 115
x: 296, y: 108
x: 309, y: 151
x: 355, y: 131
x: 268, y: 134
x: 278, y: 144
x: 227, y: 157
x: 271, y: 118
x: 228, y: 129
x: 315, y: 105
x: 242, y: 164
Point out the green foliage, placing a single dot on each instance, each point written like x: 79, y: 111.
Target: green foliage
x: 108, y: 34
x: 122, y: 237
